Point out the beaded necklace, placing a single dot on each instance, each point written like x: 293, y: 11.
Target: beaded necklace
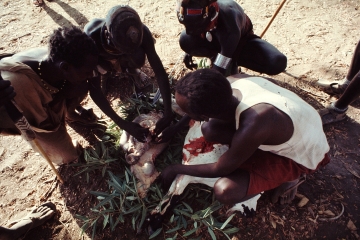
x: 46, y: 84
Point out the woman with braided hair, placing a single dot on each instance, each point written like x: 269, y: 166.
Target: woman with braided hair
x: 124, y: 42
x: 45, y: 81
x: 221, y: 31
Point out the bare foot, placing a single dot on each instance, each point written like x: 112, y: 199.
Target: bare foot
x: 35, y: 218
x: 285, y: 193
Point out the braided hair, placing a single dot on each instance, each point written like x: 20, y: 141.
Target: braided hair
x: 71, y: 45
x: 206, y: 89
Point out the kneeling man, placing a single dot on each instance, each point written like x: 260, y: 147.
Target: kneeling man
x: 274, y: 137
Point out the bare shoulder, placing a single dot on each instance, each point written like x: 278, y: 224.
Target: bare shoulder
x: 230, y: 8
x: 267, y: 121
x: 147, y: 35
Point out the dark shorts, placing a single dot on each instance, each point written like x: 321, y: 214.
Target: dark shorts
x: 268, y: 170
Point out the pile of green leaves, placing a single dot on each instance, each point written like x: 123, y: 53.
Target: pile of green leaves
x: 121, y: 203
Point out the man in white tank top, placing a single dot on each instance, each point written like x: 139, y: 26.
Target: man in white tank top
x: 274, y: 136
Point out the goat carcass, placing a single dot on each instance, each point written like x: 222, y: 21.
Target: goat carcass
x: 141, y: 156
x: 197, y: 150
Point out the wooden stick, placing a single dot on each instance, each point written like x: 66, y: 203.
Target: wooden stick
x: 43, y: 153
x: 273, y: 17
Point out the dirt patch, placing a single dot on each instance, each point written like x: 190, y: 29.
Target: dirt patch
x: 318, y: 37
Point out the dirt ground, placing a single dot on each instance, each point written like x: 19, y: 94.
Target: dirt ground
x: 317, y: 36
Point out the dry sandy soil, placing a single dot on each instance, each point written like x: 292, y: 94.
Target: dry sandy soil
x: 318, y: 37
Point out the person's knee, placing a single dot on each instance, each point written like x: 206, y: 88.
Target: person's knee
x: 222, y: 192
x: 184, y: 42
x: 278, y: 64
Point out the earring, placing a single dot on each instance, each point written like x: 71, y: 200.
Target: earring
x: 107, y: 35
x: 181, y: 14
x: 206, y: 14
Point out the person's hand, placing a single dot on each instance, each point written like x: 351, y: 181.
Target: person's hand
x: 167, y: 176
x: 162, y: 124
x: 167, y: 134
x: 189, y: 63
x: 6, y: 92
x: 135, y: 130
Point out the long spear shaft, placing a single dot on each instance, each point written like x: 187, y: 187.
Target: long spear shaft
x: 273, y: 17
x: 23, y: 125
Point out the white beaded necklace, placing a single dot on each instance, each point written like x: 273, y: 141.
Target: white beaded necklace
x: 46, y: 84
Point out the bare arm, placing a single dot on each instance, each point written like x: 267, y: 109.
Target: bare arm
x: 6, y: 91
x: 259, y: 125
x: 162, y: 79
x: 245, y: 142
x: 228, y: 33
x: 100, y: 100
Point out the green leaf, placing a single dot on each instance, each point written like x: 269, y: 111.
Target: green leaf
x: 103, y: 171
x: 111, y: 223
x: 84, y: 227
x: 174, y: 229
x: 105, y: 201
x: 82, y: 218
x: 212, y: 234
x: 212, y: 220
x: 133, y: 209
x: 157, y: 232
x: 131, y: 198
x: 173, y: 238
x: 190, y: 232
x: 143, y: 216
x: 172, y: 218
x: 231, y: 230
x: 106, y: 220
x: 183, y: 212
x: 127, y: 177
x: 86, y: 155
x: 184, y: 222
x: 227, y: 221
x: 94, y: 153
x: 119, y: 219
x: 93, y: 229
x: 103, y: 149
x: 188, y: 207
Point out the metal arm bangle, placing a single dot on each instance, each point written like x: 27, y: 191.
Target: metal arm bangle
x: 222, y: 61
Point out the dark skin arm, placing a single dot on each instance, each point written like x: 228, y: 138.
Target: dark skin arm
x: 169, y: 132
x: 100, y: 100
x: 162, y: 79
x: 6, y: 91
x: 228, y: 31
x: 261, y: 124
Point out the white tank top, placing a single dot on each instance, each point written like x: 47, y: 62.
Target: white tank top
x: 308, y: 144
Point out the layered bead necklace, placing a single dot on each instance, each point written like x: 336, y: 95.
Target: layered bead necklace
x: 46, y: 85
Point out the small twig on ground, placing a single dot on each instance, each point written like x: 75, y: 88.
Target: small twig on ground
x: 333, y: 218
x: 24, y: 35
x: 50, y: 190
x: 349, y: 168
